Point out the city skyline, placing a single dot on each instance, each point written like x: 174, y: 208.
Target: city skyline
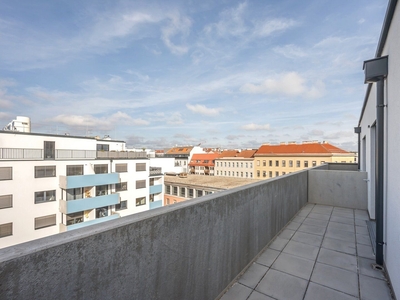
x: 231, y: 74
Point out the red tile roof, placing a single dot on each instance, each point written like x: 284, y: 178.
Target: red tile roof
x: 246, y: 153
x: 180, y: 150
x: 228, y: 153
x: 203, y: 159
x: 305, y: 148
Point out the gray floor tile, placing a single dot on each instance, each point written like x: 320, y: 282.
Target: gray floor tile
x: 318, y: 216
x: 286, y: 234
x: 307, y: 238
x: 253, y: 275
x: 323, y: 208
x: 282, y: 286
x: 298, y: 219
x: 365, y: 268
x: 294, y: 265
x: 293, y: 226
x: 343, y: 209
x: 278, y: 244
x: 361, y: 214
x: 373, y: 289
x: 318, y: 292
x: 362, y: 230
x: 237, y: 292
x: 336, y: 278
x: 303, y: 213
x: 338, y: 259
x: 342, y: 220
x: 258, y: 296
x: 341, y: 226
x: 302, y: 250
x: 314, y: 229
x: 310, y: 221
x: 338, y: 245
x: 342, y: 214
x: 268, y: 257
x: 365, y: 251
x: 360, y: 222
x: 363, y: 239
x: 340, y: 235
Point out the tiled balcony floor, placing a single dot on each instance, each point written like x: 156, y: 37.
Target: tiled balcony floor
x: 324, y: 253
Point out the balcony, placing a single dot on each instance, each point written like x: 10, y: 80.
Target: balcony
x: 196, y: 249
x: 156, y: 204
x: 38, y: 154
x: 70, y: 182
x: 155, y: 171
x: 156, y: 189
x: 88, y: 223
x: 121, y: 154
x: 72, y: 206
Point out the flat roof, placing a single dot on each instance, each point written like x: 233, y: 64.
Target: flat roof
x: 213, y: 182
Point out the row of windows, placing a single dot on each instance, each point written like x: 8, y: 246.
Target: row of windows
x: 228, y: 164
x: 50, y: 171
x: 290, y: 163
x: 242, y: 174
x: 39, y: 223
x: 269, y: 173
x: 173, y: 190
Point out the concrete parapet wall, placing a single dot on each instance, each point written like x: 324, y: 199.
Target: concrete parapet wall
x: 342, y: 167
x: 338, y: 188
x: 190, y: 250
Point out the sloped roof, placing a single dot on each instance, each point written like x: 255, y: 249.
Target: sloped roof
x: 228, y: 153
x: 246, y: 153
x: 203, y: 159
x: 305, y: 148
x: 180, y: 150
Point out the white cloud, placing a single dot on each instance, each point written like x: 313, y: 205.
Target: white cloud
x: 203, y: 110
x: 176, y: 25
x: 272, y: 26
x: 175, y: 119
x: 288, y: 84
x: 290, y: 51
x: 254, y: 127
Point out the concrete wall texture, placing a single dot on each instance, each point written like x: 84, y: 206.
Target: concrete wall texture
x: 338, y: 188
x: 190, y: 250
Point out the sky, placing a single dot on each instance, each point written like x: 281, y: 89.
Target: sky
x: 229, y: 74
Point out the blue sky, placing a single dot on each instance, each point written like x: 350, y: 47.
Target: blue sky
x: 232, y: 74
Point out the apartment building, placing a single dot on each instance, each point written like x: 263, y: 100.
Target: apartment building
x: 182, y: 156
x: 55, y: 183
x: 276, y: 160
x: 236, y: 164
x: 203, y: 163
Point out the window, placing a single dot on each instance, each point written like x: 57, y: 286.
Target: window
x: 6, y: 201
x: 199, y: 193
x: 306, y: 164
x: 229, y: 164
x: 251, y: 165
x: 140, y: 184
x: 123, y: 186
x: 102, y: 147
x: 100, y: 169
x: 264, y: 173
x: 290, y: 163
x: 247, y: 165
x: 241, y: 165
x: 101, y: 212
x: 258, y: 162
x: 229, y: 173
x: 151, y: 198
x: 251, y: 174
x: 225, y: 173
x: 237, y: 174
x: 140, y: 167
x: 183, y: 192
x: 283, y: 163
x: 264, y: 163
x: 121, y: 168
x: 277, y: 163
x: 45, y: 171
x: 6, y: 173
x: 102, y: 190
x: 297, y: 164
x: 74, y: 218
x: 322, y: 162
x: 314, y: 163
x: 75, y: 170
x: 121, y: 206
x: 45, y: 196
x: 247, y: 174
x: 270, y: 163
x: 190, y: 193
x: 258, y: 173
x: 77, y: 193
x: 6, y: 229
x: 276, y: 174
x: 46, y: 221
x: 140, y: 201
x: 225, y: 163
x: 168, y: 189
x: 283, y: 173
x: 151, y: 181
x: 217, y: 173
x: 49, y: 150
x: 237, y: 165
x: 241, y: 174
x: 270, y: 173
x: 175, y: 191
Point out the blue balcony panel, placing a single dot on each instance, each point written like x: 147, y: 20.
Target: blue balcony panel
x: 155, y: 189
x: 92, y: 222
x: 72, y: 206
x: 70, y: 182
x: 155, y: 204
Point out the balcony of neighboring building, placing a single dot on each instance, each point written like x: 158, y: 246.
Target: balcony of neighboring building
x: 120, y: 154
x: 155, y: 171
x: 298, y: 236
x: 88, y: 203
x: 156, y: 201
x: 69, y: 182
x: 39, y: 154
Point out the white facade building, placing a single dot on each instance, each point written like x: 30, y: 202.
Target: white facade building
x: 379, y: 153
x: 55, y: 183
